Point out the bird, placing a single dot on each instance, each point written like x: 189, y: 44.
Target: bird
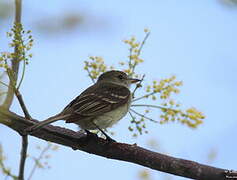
x: 100, y: 106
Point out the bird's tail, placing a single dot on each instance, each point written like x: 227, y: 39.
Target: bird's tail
x: 45, y: 122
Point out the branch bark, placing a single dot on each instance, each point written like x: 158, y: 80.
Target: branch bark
x: 120, y: 151
x: 24, y: 148
x: 24, y: 143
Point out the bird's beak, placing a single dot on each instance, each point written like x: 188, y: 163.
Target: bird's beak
x: 133, y: 80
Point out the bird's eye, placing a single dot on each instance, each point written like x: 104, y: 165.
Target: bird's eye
x: 120, y: 77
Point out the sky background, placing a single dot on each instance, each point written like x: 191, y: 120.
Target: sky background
x: 194, y: 40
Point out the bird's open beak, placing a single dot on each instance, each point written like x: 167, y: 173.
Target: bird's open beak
x: 133, y: 80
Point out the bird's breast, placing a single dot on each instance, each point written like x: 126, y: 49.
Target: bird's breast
x: 110, y: 118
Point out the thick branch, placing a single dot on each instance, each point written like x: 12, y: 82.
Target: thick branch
x: 119, y: 151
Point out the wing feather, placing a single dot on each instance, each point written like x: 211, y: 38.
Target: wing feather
x: 96, y: 100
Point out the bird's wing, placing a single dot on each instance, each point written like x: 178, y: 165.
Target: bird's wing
x: 97, y: 100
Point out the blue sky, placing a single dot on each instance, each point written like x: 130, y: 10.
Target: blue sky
x: 194, y: 40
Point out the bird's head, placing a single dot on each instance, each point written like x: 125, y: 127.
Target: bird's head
x: 117, y: 77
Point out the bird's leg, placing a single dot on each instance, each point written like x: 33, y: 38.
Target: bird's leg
x: 106, y: 135
x: 88, y: 133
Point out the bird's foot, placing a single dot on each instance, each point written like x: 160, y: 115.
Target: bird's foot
x: 109, y: 139
x: 90, y: 134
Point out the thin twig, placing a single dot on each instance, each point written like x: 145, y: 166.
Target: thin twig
x: 139, y: 52
x: 22, y: 104
x: 147, y: 105
x: 142, y: 115
x: 153, y: 106
x: 38, y: 159
x: 144, y: 96
x: 130, y: 58
x: 10, y: 92
x: 4, y: 84
x: 143, y: 42
x: 24, y: 147
x: 23, y: 74
x: 131, y: 115
x: 138, y: 86
x: 89, y: 74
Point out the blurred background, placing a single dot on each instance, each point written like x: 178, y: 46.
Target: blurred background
x: 194, y: 40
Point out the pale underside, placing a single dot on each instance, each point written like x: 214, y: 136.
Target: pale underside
x: 105, y: 120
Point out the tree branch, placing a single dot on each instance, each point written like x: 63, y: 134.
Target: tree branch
x: 143, y: 116
x: 22, y: 104
x: 138, y: 85
x: 120, y: 151
x: 12, y: 89
x: 15, y: 61
x: 24, y: 147
x: 144, y: 96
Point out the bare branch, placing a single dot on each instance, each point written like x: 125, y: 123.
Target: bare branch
x: 120, y: 151
x: 147, y: 105
x: 142, y: 115
x: 133, y: 118
x: 143, y: 42
x: 153, y: 106
x: 22, y: 104
x: 138, y: 85
x: 144, y: 96
x: 23, y: 156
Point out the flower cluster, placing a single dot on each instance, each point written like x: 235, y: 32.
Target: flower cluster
x: 3, y: 59
x: 138, y: 124
x: 169, y: 110
x: 22, y: 43
x: 190, y: 117
x: 135, y: 49
x: 164, y: 88
x: 21, y: 40
x: 95, y: 66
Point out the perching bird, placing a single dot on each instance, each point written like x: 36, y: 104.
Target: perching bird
x: 99, y: 106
